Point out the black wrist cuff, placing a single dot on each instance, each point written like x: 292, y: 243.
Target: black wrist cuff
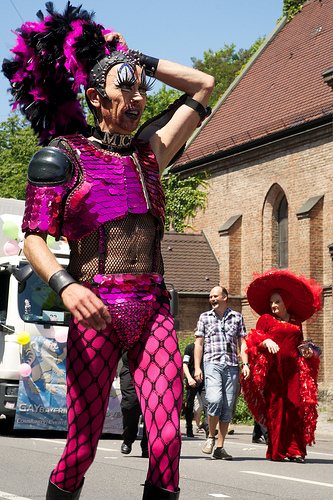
x: 149, y: 64
x: 198, y: 107
x: 60, y: 280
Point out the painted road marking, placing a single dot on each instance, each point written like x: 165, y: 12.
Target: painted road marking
x: 217, y: 495
x: 53, y: 441
x: 320, y: 453
x: 287, y: 478
x: 8, y: 496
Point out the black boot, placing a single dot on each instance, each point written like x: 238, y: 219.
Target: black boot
x: 152, y: 492
x: 189, y: 432
x: 55, y: 493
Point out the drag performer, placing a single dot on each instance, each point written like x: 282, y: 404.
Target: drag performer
x: 100, y: 189
x: 281, y: 391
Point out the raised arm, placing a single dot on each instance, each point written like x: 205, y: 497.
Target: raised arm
x: 167, y: 141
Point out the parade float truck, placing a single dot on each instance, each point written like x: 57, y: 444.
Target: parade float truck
x: 33, y: 341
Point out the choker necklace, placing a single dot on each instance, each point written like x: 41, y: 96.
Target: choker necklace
x: 113, y: 141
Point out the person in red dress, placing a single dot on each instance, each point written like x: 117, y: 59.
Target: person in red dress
x: 282, y: 389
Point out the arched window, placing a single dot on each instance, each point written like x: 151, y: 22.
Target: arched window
x: 275, y: 228
x: 282, y: 243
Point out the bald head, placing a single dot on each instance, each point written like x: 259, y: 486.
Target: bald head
x: 218, y: 297
x: 219, y: 290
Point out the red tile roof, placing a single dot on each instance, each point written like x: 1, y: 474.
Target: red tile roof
x: 189, y: 261
x: 282, y: 88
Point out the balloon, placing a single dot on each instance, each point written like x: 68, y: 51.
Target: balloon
x: 51, y: 242
x: 10, y: 230
x: 11, y: 248
x: 61, y: 336
x: 24, y: 370
x: 23, y: 338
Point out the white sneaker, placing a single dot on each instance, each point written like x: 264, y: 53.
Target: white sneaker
x: 209, y: 446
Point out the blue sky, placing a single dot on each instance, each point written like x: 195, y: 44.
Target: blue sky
x: 169, y: 29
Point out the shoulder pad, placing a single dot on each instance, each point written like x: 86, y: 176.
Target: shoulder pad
x: 50, y: 166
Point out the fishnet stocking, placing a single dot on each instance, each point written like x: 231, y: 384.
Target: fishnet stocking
x: 90, y: 369
x: 155, y: 363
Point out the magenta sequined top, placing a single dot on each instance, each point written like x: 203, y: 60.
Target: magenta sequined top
x: 105, y: 187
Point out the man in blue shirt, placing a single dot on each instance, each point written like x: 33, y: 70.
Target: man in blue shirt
x: 220, y: 337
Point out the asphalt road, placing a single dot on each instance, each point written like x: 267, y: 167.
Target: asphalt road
x: 26, y: 461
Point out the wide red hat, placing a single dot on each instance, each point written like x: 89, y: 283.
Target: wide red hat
x: 303, y: 295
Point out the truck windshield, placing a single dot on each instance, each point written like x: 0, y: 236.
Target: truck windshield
x: 39, y: 304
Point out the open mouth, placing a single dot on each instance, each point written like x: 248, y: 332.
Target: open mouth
x: 132, y: 113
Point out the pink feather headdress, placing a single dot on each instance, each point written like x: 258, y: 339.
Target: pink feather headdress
x: 52, y: 61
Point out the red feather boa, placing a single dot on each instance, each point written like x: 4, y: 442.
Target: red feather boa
x: 253, y: 387
x: 308, y: 375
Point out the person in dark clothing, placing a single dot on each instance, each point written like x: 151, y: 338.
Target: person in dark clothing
x: 259, y: 433
x: 131, y: 411
x: 192, y: 389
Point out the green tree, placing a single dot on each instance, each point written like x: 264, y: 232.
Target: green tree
x: 183, y: 198
x: 291, y: 7
x: 17, y: 145
x: 224, y: 64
